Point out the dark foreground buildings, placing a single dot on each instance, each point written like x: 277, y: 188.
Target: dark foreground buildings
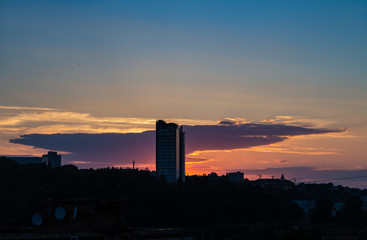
x: 84, y: 219
x: 170, y: 151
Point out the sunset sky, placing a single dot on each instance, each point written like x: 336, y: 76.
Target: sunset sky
x: 263, y: 87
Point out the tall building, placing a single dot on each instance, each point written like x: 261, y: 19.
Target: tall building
x: 170, y: 151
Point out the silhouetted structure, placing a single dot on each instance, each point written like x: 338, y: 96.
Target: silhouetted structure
x: 182, y: 155
x: 236, y: 177
x: 213, y: 176
x: 170, y: 151
x: 94, y: 204
x: 81, y: 215
x: 83, y: 219
x: 277, y: 183
x: 26, y: 160
x: 51, y: 159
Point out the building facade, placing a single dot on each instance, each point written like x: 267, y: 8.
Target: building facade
x: 52, y: 159
x: 170, y: 151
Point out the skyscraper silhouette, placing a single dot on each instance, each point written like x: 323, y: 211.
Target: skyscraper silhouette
x: 170, y: 151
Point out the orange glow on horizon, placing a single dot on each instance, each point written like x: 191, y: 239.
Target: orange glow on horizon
x: 324, y: 151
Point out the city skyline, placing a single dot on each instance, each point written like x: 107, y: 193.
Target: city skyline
x: 262, y: 87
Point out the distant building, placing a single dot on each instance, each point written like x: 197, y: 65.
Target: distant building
x: 170, y: 151
x: 236, y: 177
x: 213, y: 176
x: 26, y: 160
x: 51, y: 159
x: 277, y: 183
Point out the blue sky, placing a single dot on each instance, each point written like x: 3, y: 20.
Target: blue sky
x: 254, y: 42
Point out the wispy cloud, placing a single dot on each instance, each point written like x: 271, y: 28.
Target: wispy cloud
x: 233, y: 121
x: 300, y: 121
x: 38, y: 120
x: 27, y: 108
x: 80, y: 162
x: 17, y: 120
x: 69, y: 117
x: 294, y: 150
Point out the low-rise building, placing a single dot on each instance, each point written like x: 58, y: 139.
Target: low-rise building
x: 277, y: 183
x: 26, y: 160
x: 236, y: 177
x: 51, y: 159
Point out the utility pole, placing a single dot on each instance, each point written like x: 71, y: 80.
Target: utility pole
x: 294, y: 180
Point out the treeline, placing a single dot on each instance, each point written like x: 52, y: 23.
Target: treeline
x: 152, y: 202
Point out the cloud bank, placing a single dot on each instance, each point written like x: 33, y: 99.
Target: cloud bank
x: 107, y: 149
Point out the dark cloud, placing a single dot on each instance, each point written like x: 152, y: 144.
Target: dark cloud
x: 194, y: 159
x: 101, y: 150
x: 225, y: 137
x: 227, y: 122
x: 114, y: 148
